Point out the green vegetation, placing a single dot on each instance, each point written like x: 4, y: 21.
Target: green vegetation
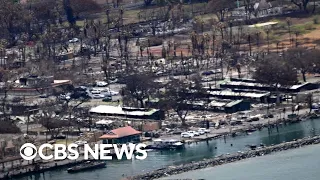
x: 303, y: 28
x: 316, y: 19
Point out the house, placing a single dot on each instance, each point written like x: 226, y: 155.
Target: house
x: 121, y: 135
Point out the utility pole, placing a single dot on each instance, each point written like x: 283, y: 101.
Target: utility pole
x: 28, y: 118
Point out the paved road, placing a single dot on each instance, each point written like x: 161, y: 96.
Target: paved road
x: 227, y: 128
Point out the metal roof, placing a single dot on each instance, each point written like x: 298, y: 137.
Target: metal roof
x: 239, y: 94
x: 233, y: 103
x: 118, y: 110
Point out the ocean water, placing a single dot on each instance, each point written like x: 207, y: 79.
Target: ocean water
x: 295, y: 164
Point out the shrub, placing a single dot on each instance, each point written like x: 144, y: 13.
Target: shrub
x: 300, y: 29
x: 309, y: 26
x: 316, y: 20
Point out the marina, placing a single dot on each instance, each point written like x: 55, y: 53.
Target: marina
x: 142, y: 90
x: 196, y: 151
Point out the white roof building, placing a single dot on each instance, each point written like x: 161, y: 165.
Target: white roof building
x: 122, y: 111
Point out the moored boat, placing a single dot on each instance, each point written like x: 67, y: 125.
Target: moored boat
x: 166, y: 144
x: 89, y: 165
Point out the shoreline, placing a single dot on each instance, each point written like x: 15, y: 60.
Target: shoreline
x: 225, y: 159
x: 50, y: 165
x: 255, y: 127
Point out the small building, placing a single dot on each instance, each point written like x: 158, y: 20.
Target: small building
x: 303, y: 87
x: 34, y: 86
x: 253, y: 96
x: 22, y: 108
x: 235, y: 106
x: 221, y: 105
x: 121, y: 135
x: 128, y: 112
x: 246, y: 84
x: 36, y: 81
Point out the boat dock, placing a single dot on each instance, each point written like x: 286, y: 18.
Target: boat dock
x: 38, y: 167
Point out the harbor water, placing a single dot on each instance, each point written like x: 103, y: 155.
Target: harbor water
x: 193, y: 152
x: 294, y: 164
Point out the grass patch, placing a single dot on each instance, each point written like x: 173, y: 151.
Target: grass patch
x: 131, y: 16
x: 303, y: 28
x: 80, y: 23
x: 63, y: 141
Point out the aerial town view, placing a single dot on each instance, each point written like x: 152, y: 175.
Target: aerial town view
x: 159, y: 89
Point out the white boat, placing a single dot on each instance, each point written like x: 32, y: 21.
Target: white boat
x: 166, y: 144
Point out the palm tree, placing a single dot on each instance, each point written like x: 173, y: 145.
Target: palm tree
x: 289, y: 23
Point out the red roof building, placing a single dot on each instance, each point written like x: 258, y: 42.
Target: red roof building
x: 121, y: 135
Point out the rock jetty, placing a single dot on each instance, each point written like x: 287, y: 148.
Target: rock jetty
x: 223, y: 159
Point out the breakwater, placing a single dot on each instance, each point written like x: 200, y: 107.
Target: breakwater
x: 223, y: 159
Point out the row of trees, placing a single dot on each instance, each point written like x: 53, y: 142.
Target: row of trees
x: 283, y: 70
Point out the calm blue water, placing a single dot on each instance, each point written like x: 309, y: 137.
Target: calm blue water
x: 296, y: 164
x: 193, y: 152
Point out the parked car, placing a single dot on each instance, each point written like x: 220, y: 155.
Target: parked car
x: 61, y: 137
x: 187, y: 135
x: 194, y: 132
x: 206, y: 79
x: 97, y: 96
x: 95, y: 91
x: 64, y: 97
x: 113, y: 80
x: 204, y: 129
x: 73, y: 40
x: 107, y: 99
x: 111, y: 93
x: 43, y: 96
x: 105, y: 90
x: 80, y: 94
x: 101, y: 84
x: 255, y: 118
x: 207, y: 73
x: 201, y: 132
x: 265, y: 116
x: 80, y: 89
